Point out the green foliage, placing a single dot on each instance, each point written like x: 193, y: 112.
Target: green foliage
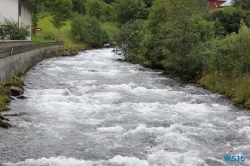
x: 95, y: 8
x: 148, y: 3
x: 175, y: 36
x: 109, y: 1
x: 245, y: 4
x: 61, y: 11
x: 129, y: 10
x: 79, y: 6
x: 12, y: 31
x: 227, y: 20
x: 112, y: 29
x: 130, y: 36
x: 88, y: 29
x: 231, y: 54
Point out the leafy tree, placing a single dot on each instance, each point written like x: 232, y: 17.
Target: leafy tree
x: 148, y: 3
x: 88, y: 29
x: 60, y: 10
x: 109, y: 1
x: 227, y: 20
x: 245, y: 4
x: 126, y: 10
x: 13, y: 31
x: 129, y: 36
x: 231, y: 54
x: 79, y: 6
x: 95, y: 8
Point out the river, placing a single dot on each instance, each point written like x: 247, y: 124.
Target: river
x: 95, y: 110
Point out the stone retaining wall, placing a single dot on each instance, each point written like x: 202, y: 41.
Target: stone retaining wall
x: 19, y: 63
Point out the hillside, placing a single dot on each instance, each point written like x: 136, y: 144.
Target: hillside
x: 49, y: 33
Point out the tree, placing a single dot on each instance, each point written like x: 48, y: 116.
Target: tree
x: 148, y: 3
x: 60, y: 10
x: 227, y: 20
x: 245, y: 4
x: 127, y: 10
x: 109, y: 1
x: 95, y: 8
x: 88, y: 29
x: 79, y: 6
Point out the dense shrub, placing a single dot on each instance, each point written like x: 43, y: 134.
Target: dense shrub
x: 227, y: 20
x: 231, y: 54
x: 129, y: 10
x: 88, y: 29
x: 12, y: 31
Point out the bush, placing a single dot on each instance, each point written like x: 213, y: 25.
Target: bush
x: 12, y: 31
x: 231, y: 54
x: 227, y: 20
x: 88, y: 29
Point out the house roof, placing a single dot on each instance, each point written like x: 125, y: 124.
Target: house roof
x: 227, y: 3
x: 33, y: 9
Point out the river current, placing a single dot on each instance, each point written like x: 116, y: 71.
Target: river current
x: 95, y: 110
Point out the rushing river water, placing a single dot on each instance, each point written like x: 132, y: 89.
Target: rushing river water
x: 95, y: 110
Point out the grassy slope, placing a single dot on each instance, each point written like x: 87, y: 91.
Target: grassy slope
x: 236, y: 88
x: 49, y: 33
x: 112, y: 29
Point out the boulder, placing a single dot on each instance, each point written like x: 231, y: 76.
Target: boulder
x: 16, y: 91
x: 4, y: 124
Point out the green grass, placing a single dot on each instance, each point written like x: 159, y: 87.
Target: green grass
x: 236, y: 88
x: 49, y: 33
x: 112, y: 29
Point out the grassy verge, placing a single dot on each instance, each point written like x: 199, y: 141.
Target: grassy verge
x: 48, y: 33
x: 236, y: 88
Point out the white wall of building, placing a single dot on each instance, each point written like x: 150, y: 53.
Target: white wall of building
x: 9, y: 9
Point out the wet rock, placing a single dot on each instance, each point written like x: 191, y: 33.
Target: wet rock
x: 22, y: 97
x: 5, y: 124
x: 120, y: 59
x: 3, y: 118
x: 16, y: 91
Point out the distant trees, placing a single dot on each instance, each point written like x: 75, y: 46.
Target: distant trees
x: 187, y: 38
x: 95, y: 8
x: 79, y: 6
x: 60, y: 10
x: 127, y: 10
x: 227, y: 20
x: 245, y: 4
x: 88, y: 29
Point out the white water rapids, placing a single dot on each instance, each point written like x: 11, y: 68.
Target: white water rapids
x: 95, y: 110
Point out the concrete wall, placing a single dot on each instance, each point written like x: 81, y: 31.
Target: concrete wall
x: 15, y: 64
x: 13, y: 43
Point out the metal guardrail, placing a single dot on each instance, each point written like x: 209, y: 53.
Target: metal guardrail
x: 8, y: 51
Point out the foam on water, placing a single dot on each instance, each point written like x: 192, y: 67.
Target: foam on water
x: 93, y: 110
x: 62, y: 161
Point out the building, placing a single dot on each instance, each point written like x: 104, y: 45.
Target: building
x: 213, y: 4
x: 18, y: 10
x: 227, y: 3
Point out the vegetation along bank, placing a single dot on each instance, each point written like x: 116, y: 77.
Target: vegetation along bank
x: 187, y: 38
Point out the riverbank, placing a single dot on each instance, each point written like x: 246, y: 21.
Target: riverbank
x: 12, y: 85
x: 237, y: 89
